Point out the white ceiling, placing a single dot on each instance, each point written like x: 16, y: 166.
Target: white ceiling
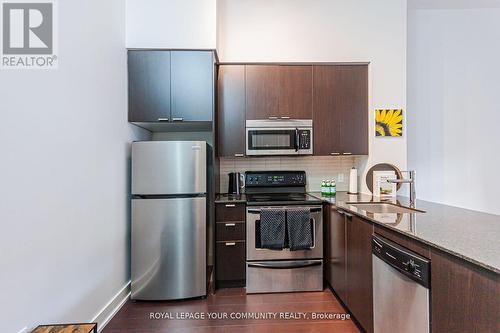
x: 452, y: 4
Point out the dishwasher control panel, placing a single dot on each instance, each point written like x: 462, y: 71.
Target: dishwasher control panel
x: 407, y: 262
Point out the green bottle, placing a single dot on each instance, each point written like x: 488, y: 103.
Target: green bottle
x: 333, y: 188
x: 327, y: 186
x: 323, y: 188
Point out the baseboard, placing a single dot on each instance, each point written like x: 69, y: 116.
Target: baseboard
x: 104, y: 316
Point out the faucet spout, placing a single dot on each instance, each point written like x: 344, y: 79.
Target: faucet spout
x: 411, y: 181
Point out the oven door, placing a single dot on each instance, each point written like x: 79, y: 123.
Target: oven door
x: 272, y: 141
x: 255, y: 252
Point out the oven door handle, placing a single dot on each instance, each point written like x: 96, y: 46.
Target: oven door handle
x: 257, y: 211
x: 286, y: 265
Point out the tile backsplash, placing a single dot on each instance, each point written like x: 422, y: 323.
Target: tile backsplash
x: 317, y: 168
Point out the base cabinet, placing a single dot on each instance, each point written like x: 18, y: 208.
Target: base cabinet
x: 349, y: 264
x: 335, y: 262
x: 359, y: 270
x: 230, y: 248
x: 464, y: 298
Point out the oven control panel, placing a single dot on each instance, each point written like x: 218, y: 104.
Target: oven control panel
x: 275, y: 178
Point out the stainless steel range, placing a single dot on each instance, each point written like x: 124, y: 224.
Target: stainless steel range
x: 285, y: 268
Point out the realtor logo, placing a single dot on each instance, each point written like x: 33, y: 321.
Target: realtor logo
x: 28, y: 31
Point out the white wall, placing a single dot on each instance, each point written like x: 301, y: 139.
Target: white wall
x: 179, y: 24
x: 64, y: 143
x: 326, y: 30
x: 453, y: 87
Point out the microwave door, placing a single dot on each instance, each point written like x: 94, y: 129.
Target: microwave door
x: 270, y: 141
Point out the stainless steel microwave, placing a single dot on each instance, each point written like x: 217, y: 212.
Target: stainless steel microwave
x: 279, y: 137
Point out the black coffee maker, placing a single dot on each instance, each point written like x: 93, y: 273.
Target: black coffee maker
x: 235, y: 183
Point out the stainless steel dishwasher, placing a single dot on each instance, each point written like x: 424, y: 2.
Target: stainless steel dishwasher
x: 401, y: 289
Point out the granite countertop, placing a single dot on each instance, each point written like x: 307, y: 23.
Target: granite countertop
x: 230, y: 198
x: 470, y: 235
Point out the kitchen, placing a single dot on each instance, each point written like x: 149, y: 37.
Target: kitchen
x: 226, y: 170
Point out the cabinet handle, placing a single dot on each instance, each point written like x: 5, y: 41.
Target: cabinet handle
x: 239, y: 155
x: 285, y: 117
x: 230, y: 224
x: 231, y: 244
x: 178, y: 119
x: 341, y: 212
x: 230, y: 205
x: 162, y: 119
x: 349, y: 216
x: 346, y: 153
x: 273, y: 118
x: 334, y: 154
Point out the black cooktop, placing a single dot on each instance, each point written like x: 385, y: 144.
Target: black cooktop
x: 259, y: 199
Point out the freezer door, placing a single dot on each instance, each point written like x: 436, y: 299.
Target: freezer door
x: 168, y: 248
x: 169, y: 167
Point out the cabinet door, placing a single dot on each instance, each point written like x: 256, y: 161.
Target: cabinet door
x: 230, y: 261
x: 340, y: 113
x: 359, y: 271
x: 148, y: 86
x: 262, y: 91
x: 352, y: 102
x: 326, y: 114
x: 464, y: 297
x: 295, y: 95
x: 336, y: 260
x: 192, y: 85
x: 231, y: 113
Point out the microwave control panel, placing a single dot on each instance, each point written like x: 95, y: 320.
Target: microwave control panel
x: 304, y: 139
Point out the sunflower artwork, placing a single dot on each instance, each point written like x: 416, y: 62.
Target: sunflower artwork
x: 389, y: 122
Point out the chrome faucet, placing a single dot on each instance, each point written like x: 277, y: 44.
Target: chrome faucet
x: 411, y: 181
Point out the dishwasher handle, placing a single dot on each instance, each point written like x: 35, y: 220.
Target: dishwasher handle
x: 405, y: 261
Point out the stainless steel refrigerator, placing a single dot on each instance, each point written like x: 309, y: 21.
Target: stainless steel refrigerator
x: 169, y: 219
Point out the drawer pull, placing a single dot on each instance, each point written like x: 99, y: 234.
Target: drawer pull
x: 335, y: 154
x: 162, y: 119
x: 230, y: 224
x: 347, y: 153
x: 230, y: 205
x: 231, y: 244
x: 239, y: 155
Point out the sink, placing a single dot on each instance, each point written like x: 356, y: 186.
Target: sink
x: 384, y: 208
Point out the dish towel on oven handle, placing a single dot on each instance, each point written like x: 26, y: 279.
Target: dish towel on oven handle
x: 299, y: 229
x: 272, y: 228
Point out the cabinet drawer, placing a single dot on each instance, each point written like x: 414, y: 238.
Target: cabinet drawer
x: 230, y: 212
x: 230, y: 261
x: 227, y: 231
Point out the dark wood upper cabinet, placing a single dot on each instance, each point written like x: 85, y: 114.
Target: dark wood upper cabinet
x: 336, y: 270
x: 167, y: 86
x: 295, y: 93
x: 340, y: 112
x: 326, y: 116
x: 192, y: 85
x: 262, y: 91
x: 231, y: 116
x: 359, y: 271
x: 149, y: 86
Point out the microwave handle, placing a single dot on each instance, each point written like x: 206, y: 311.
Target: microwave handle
x: 296, y: 139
